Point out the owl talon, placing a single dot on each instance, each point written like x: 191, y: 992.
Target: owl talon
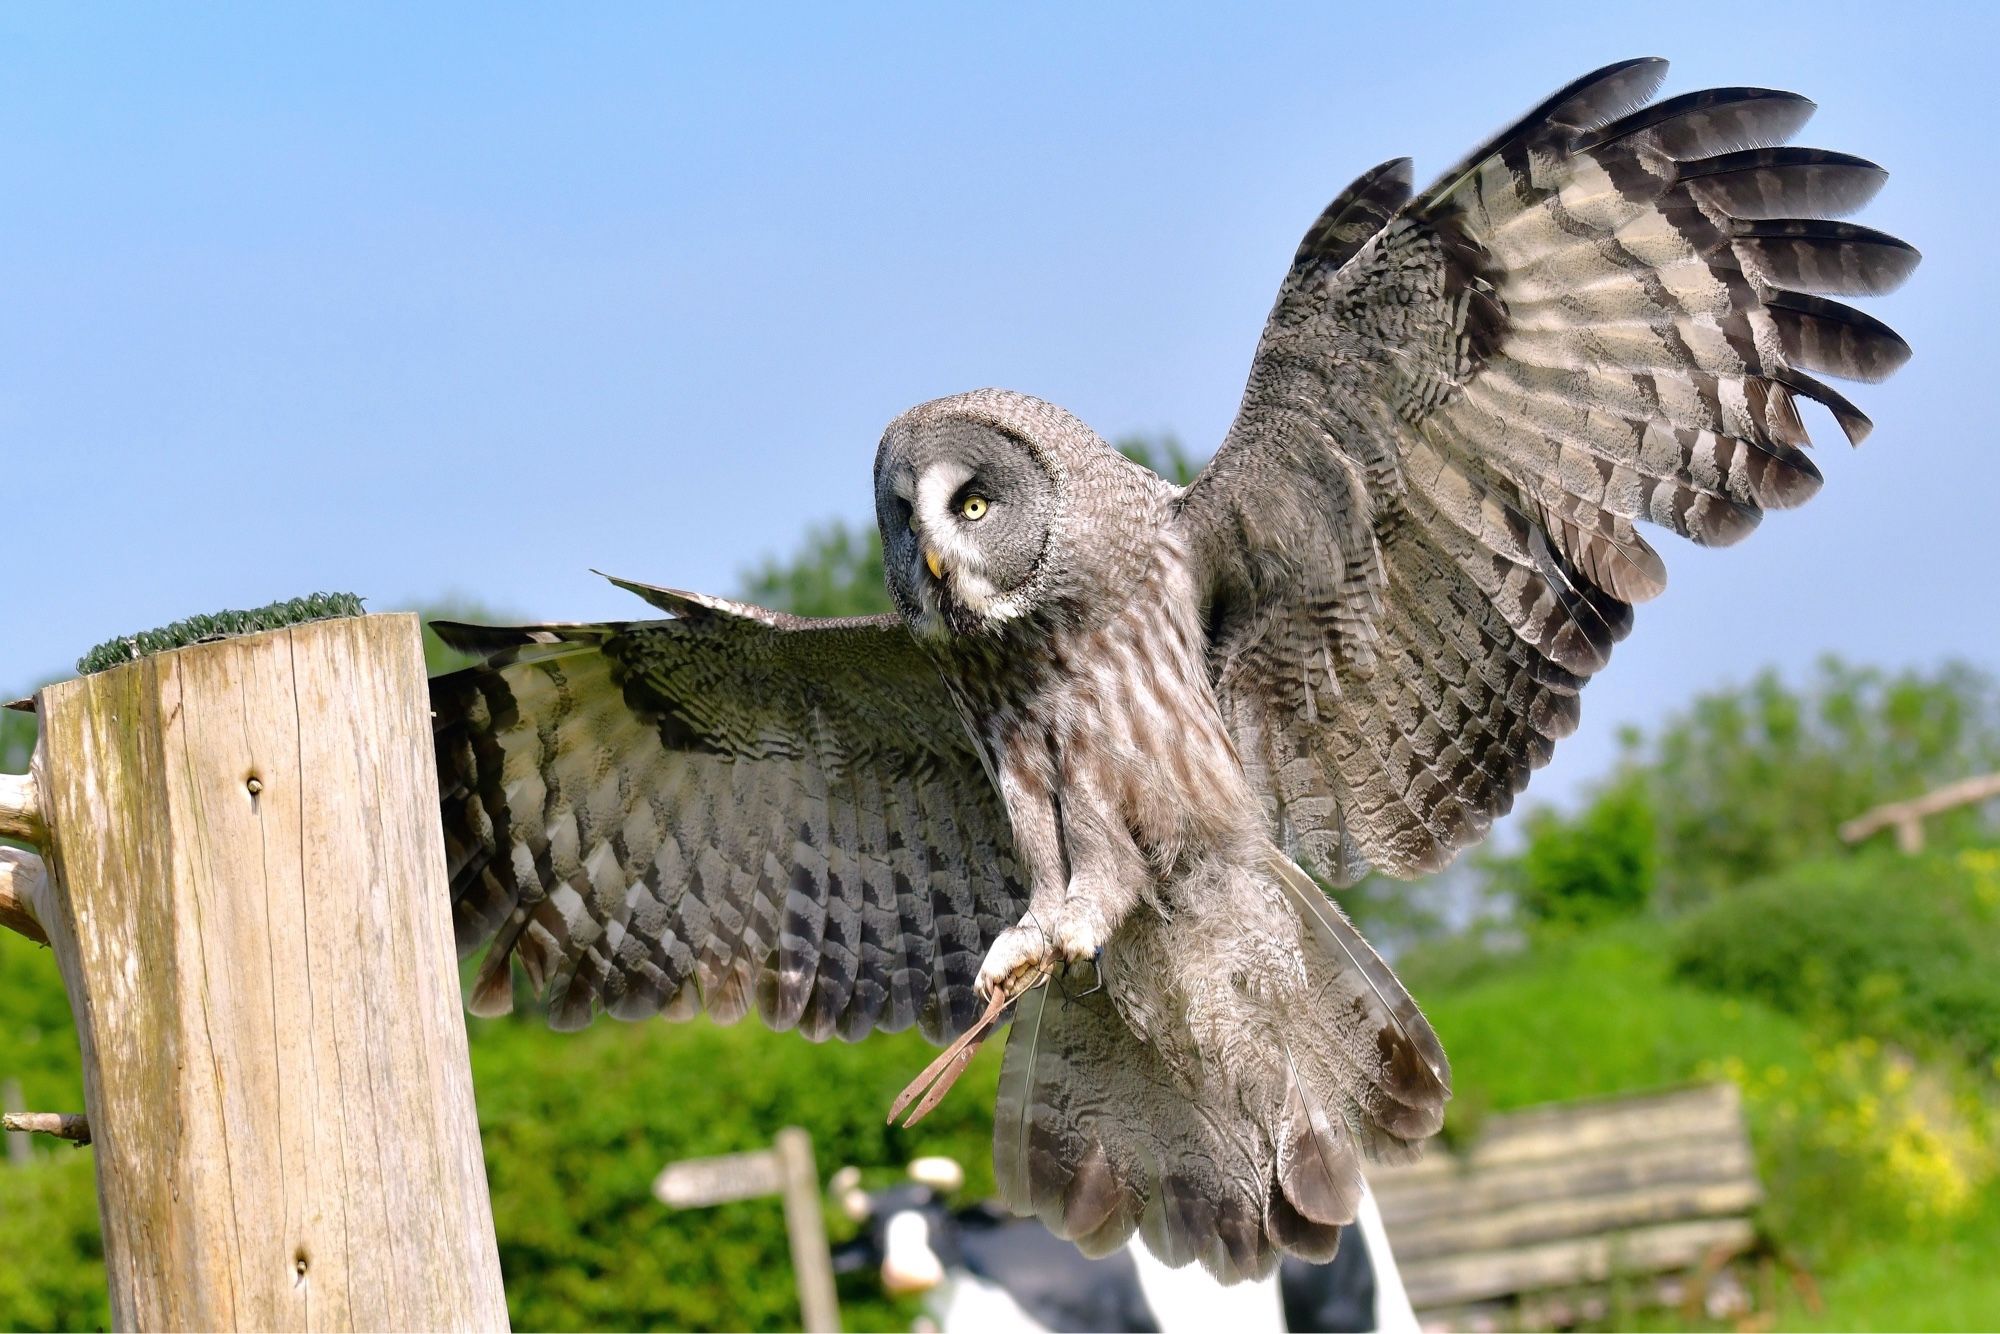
x: 1077, y: 936
x: 1018, y: 952
x: 1080, y: 933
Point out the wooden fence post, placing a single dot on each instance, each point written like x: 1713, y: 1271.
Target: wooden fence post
x: 247, y: 900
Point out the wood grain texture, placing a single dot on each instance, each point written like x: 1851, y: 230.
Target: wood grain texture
x: 20, y: 808
x: 1573, y: 1194
x: 1454, y: 1279
x: 253, y: 925
x: 23, y: 893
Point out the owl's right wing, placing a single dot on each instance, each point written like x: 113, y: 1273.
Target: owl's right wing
x: 1418, y: 539
x: 729, y: 810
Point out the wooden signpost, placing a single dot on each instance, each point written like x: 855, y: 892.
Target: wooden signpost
x: 784, y: 1169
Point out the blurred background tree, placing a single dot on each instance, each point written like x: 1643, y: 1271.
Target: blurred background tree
x: 17, y: 740
x: 1693, y: 915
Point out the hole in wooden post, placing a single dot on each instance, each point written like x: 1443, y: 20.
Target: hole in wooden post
x: 253, y: 785
x: 299, y: 1267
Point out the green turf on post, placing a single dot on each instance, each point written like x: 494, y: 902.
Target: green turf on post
x: 221, y: 625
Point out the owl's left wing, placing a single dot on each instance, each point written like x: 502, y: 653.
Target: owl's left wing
x: 1418, y: 539
x: 734, y: 809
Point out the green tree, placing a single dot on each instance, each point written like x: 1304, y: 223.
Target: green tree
x: 17, y: 740
x: 836, y: 571
x: 1581, y: 869
x: 1163, y: 453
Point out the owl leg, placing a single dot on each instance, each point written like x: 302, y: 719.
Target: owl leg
x: 1106, y: 874
x: 1027, y: 785
x: 1080, y: 894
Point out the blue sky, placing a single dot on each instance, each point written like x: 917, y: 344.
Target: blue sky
x: 426, y: 300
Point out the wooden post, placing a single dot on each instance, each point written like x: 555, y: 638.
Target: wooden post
x: 246, y: 897
x: 812, y: 1261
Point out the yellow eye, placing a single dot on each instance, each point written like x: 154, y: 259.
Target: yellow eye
x: 974, y: 508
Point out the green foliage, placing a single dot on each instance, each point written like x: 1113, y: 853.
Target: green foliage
x: 219, y: 625
x: 1578, y: 869
x: 1933, y: 1279
x: 48, y: 1209
x: 1903, y: 948
x: 1164, y: 454
x: 17, y: 740
x: 576, y: 1125
x: 837, y: 571
x: 1750, y: 780
x: 53, y: 1277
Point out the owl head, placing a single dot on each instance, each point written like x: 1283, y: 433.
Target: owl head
x: 970, y: 494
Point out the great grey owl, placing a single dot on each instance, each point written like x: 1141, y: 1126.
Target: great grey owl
x: 1113, y: 715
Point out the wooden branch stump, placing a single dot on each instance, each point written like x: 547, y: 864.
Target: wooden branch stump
x: 24, y: 888
x: 1907, y: 817
x: 249, y: 908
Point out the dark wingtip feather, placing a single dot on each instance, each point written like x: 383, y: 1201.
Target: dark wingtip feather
x: 1578, y: 107
x: 1768, y: 183
x: 467, y: 638
x: 1356, y: 213
x: 1837, y: 258
x: 1854, y: 423
x: 1835, y: 339
x: 1603, y: 95
x: 1714, y: 120
x: 503, y: 644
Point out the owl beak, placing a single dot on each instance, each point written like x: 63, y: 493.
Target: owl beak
x: 935, y: 563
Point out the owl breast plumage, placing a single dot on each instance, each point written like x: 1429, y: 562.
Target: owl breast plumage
x: 1083, y: 766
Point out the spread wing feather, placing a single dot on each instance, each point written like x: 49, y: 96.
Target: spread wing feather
x: 1420, y: 536
x: 733, y: 810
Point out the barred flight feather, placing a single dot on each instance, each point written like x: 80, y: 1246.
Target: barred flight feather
x: 733, y: 810
x: 1604, y: 315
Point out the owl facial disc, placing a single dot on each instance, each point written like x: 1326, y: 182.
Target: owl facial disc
x: 965, y: 507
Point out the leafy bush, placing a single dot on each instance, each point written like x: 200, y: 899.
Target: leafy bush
x: 1579, y: 869
x: 17, y: 740
x: 53, y: 1277
x: 1884, y: 945
x: 48, y: 1209
x: 1864, y: 1142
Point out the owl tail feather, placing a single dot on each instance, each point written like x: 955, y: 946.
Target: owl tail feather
x: 1224, y: 1151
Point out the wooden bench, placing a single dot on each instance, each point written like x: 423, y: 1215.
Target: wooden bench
x: 1550, y: 1205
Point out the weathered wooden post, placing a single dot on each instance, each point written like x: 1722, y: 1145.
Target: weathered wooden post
x: 245, y: 892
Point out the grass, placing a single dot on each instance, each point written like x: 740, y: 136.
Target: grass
x: 1587, y: 1015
